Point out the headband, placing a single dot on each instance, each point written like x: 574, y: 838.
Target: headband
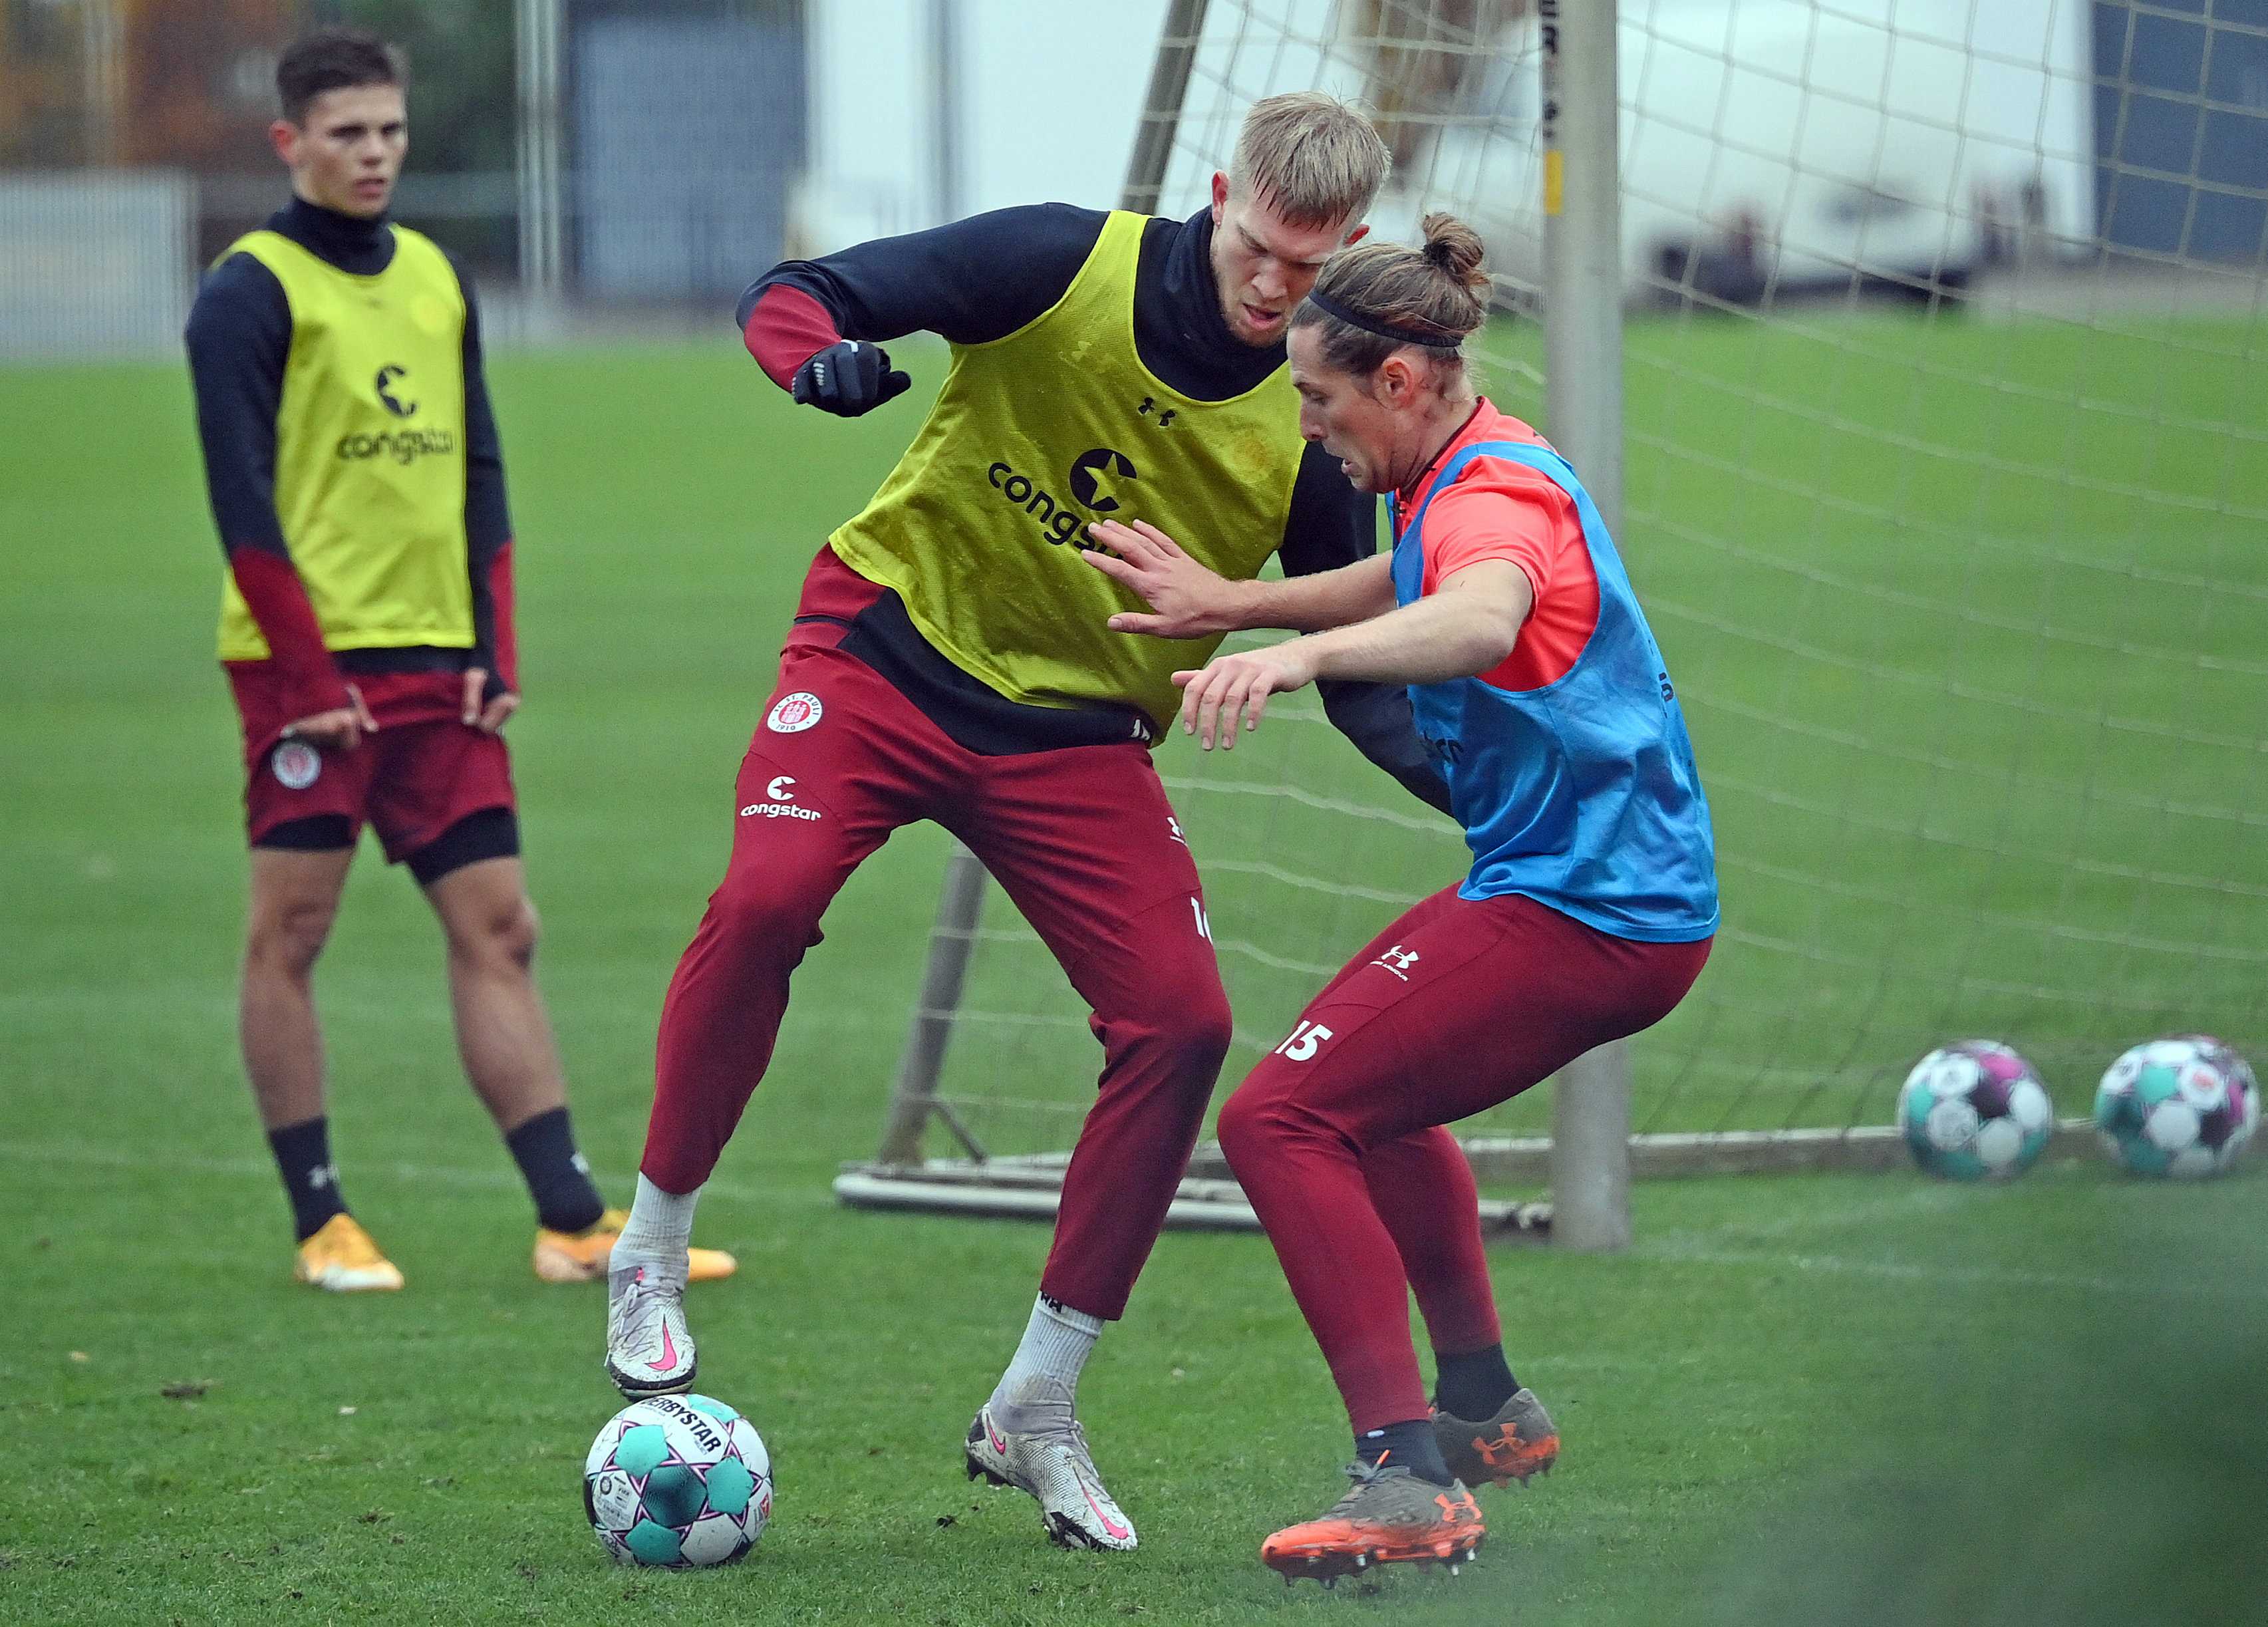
x: 1384, y: 330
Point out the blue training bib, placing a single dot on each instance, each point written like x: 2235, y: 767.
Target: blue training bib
x: 1581, y: 795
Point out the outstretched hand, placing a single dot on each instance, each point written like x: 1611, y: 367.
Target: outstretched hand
x: 1185, y: 600
x: 1233, y: 686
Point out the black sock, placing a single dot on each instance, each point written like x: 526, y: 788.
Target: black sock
x: 557, y: 1178
x: 1412, y: 1445
x: 303, y: 1157
x: 1473, y: 1385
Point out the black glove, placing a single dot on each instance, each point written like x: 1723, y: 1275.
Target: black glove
x: 849, y: 378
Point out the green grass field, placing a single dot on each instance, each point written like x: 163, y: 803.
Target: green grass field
x: 1794, y: 1394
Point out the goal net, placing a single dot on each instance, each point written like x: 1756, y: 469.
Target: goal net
x: 1947, y: 495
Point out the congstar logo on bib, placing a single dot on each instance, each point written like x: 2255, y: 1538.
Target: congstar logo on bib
x: 1092, y: 482
x: 402, y: 445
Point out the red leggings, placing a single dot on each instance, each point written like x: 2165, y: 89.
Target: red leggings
x: 1335, y: 1137
x: 1084, y: 840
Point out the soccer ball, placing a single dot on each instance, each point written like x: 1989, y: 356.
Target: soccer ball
x: 1975, y: 1109
x: 680, y: 1481
x: 2183, y: 1106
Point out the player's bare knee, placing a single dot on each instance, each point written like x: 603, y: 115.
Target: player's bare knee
x: 517, y: 934
x: 287, y: 939
x: 504, y: 937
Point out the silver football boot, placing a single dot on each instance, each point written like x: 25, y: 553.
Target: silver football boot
x: 649, y: 1349
x: 1038, y: 1448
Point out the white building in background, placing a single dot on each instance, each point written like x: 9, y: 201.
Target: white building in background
x: 1907, y: 141
x: 1048, y: 94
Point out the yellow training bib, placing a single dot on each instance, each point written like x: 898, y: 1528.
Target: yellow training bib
x: 370, y: 450
x: 1034, y: 437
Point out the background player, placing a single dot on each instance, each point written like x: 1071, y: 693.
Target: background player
x: 1587, y: 914
x: 367, y: 631
x: 949, y: 661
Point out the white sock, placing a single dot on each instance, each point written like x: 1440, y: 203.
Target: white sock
x: 660, y: 1229
x: 1056, y: 1343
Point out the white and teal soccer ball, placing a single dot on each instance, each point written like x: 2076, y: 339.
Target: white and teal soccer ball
x: 2183, y: 1106
x: 680, y: 1481
x: 1974, y: 1110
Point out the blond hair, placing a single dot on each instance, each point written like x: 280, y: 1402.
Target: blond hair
x: 1313, y: 159
x: 1431, y: 297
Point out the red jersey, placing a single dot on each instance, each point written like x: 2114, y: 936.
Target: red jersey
x: 1506, y: 511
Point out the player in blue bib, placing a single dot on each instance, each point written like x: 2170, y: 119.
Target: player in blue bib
x: 1588, y: 911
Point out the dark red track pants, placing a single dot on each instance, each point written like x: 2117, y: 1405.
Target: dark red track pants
x: 1336, y: 1135
x: 1084, y: 841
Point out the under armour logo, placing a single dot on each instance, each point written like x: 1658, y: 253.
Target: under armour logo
x: 1150, y: 403
x: 582, y: 1165
x: 1398, y: 961
x: 322, y: 1175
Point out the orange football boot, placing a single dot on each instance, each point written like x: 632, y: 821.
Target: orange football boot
x: 582, y: 1257
x: 1390, y: 1517
x: 1517, y: 1442
x: 342, y: 1258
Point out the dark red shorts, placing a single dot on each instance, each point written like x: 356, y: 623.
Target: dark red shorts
x: 423, y: 771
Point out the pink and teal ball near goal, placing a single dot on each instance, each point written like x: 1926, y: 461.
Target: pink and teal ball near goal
x: 2181, y: 1107
x: 1974, y: 1110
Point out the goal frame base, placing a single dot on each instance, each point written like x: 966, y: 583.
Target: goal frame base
x: 1029, y: 1185
x: 1030, y: 1188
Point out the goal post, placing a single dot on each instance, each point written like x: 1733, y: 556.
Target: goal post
x: 1583, y: 411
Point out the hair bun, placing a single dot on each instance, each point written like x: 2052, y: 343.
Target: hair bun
x: 1454, y: 247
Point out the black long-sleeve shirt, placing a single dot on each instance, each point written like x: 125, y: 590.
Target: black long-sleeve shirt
x: 239, y: 340
x: 980, y: 279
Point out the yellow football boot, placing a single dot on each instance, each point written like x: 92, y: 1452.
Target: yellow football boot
x: 342, y: 1258
x: 582, y: 1257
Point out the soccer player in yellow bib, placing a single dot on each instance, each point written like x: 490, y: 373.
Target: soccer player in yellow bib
x: 950, y: 661
x: 366, y: 628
